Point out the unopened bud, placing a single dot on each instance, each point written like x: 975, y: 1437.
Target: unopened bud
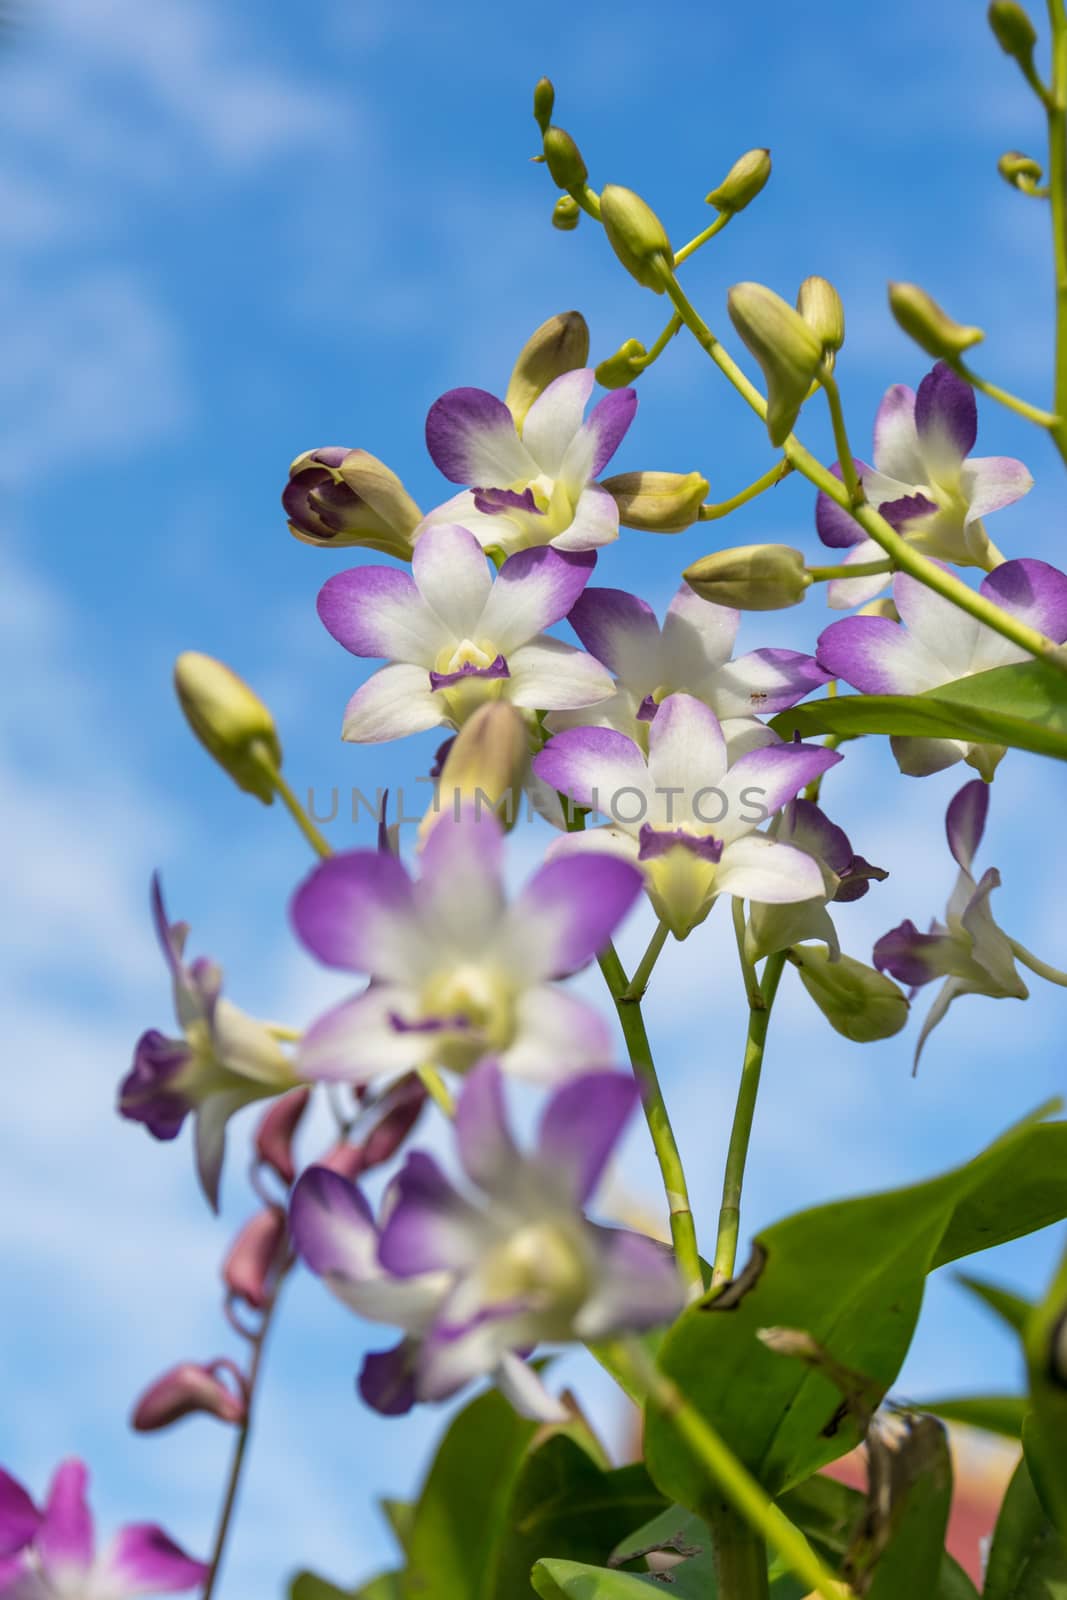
x: 186, y: 1390
x: 856, y: 1001
x: 337, y: 497
x: 559, y: 345
x: 788, y: 351
x: 880, y: 608
x: 484, y: 767
x: 820, y: 305
x: 564, y: 160
x: 743, y: 182
x: 251, y: 1267
x: 751, y: 577
x: 544, y: 99
x: 619, y: 370
x: 231, y: 722
x: 345, y: 1159
x: 276, y: 1131
x: 636, y: 235
x: 923, y: 320
x: 1013, y: 30
x: 657, y: 502
x: 1020, y: 170
x: 397, y: 1113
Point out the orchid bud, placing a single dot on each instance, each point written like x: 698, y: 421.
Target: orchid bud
x: 484, y: 768
x: 398, y: 1111
x: 752, y: 577
x: 254, y: 1257
x: 337, y: 497
x: 276, y: 1130
x: 636, y: 235
x: 743, y: 182
x: 923, y: 320
x: 185, y: 1390
x: 566, y: 213
x: 1020, y: 170
x: 856, y: 1001
x: 880, y: 608
x: 231, y: 722
x: 559, y: 345
x: 544, y: 100
x: 343, y: 1158
x: 788, y: 351
x: 564, y: 160
x: 619, y: 370
x: 657, y: 502
x: 820, y: 305
x: 1013, y: 31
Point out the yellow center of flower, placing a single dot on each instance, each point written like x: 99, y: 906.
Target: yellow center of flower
x: 541, y: 1264
x: 476, y: 996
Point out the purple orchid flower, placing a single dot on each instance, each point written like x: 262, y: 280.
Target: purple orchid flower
x: 936, y: 643
x: 457, y: 972
x: 846, y: 876
x: 684, y: 813
x: 531, y: 484
x: 49, y: 1554
x: 223, y: 1061
x: 925, y: 483
x: 456, y: 638
x: 477, y: 1279
x: 690, y: 654
x: 968, y: 950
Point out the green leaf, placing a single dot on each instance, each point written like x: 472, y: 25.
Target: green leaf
x: 910, y: 1562
x: 1023, y: 706
x: 400, y: 1515
x: 993, y: 1413
x: 1009, y: 1307
x: 1027, y: 1559
x: 1045, y: 1429
x: 306, y: 1586
x: 852, y: 1276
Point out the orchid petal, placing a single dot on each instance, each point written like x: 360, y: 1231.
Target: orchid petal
x: 555, y: 417
x: 357, y: 911
x: 549, y: 675
x: 580, y: 1127
x: 534, y: 589
x: 395, y: 701
x: 378, y: 611
x: 471, y: 436
x: 452, y: 577
x: 758, y: 868
x: 620, y: 630
x: 567, y: 913
x: 896, y: 439
x: 143, y: 1559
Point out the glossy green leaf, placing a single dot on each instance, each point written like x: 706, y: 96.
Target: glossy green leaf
x: 400, y: 1515
x: 1024, y: 707
x: 1027, y: 1559
x: 992, y: 1413
x: 852, y: 1276
x: 1045, y: 1430
x: 306, y: 1586
x: 1011, y: 1308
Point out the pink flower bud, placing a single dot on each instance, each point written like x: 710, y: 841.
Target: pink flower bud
x: 347, y: 1159
x: 186, y: 1389
x: 277, y: 1127
x: 251, y: 1266
x: 396, y: 1114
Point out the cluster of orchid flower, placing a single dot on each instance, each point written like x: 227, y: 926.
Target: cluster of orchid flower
x: 678, y: 751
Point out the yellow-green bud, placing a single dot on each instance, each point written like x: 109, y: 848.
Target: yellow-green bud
x: 231, y: 722
x: 564, y: 159
x: 338, y: 497
x: 788, y: 351
x: 820, y: 305
x: 856, y: 1001
x: 636, y: 235
x: 623, y: 367
x: 880, y: 608
x: 751, y: 577
x: 743, y: 182
x: 484, y: 767
x: 566, y: 213
x: 557, y: 346
x: 923, y: 320
x: 657, y: 502
x: 544, y: 99
x: 1020, y: 170
x: 1013, y: 30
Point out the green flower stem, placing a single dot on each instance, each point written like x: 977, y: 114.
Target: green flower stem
x: 732, y: 1482
x: 301, y: 818
x: 702, y: 238
x: 639, y: 982
x: 759, y: 1017
x: 860, y: 569
x: 673, y: 327
x: 437, y: 1090
x: 1042, y: 968
x: 900, y: 552
x: 683, y: 1230
x: 740, y: 1554
x: 1057, y: 182
x: 1044, y: 419
x: 769, y: 480
x: 845, y: 460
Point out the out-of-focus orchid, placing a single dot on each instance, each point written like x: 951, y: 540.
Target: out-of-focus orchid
x: 690, y: 654
x: 925, y: 483
x: 477, y: 1279
x: 57, y: 1560
x: 534, y: 485
x: 223, y: 1061
x: 936, y: 643
x: 684, y: 813
x: 457, y: 972
x: 254, y: 1260
x: 456, y: 639
x: 968, y: 950
x: 191, y: 1389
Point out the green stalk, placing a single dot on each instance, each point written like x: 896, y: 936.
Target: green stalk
x: 769, y: 480
x: 1057, y: 183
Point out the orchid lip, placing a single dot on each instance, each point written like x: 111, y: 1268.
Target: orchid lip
x: 655, y: 842
x: 431, y: 1025
x: 445, y: 680
x: 492, y: 501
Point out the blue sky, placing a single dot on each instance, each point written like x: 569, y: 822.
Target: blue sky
x: 233, y: 233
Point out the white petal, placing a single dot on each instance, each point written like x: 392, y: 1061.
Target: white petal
x: 450, y: 569
x: 758, y: 868
x: 555, y: 417
x: 697, y: 638
x: 548, y: 675
x: 687, y: 753
x: 394, y: 702
x: 844, y: 593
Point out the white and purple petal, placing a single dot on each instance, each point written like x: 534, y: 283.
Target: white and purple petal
x: 765, y: 681
x: 608, y: 424
x: 1034, y: 592
x: 378, y: 611
x: 946, y: 421
x: 595, y: 522
x: 472, y: 438
x: 989, y: 483
x: 452, y: 578
x: 534, y: 589
x: 593, y: 767
x: 765, y: 780
x: 331, y: 1226
x: 697, y: 637
x: 567, y: 913
x: 486, y: 1149
x: 64, y: 1540
x: 19, y: 1517
x: 580, y: 1127
x: 429, y: 1227
x: 143, y: 1559
x: 686, y: 755
x: 549, y: 675
x: 834, y: 525
x: 896, y: 440
x: 965, y: 821
x: 365, y: 1038
x: 915, y: 958
x: 757, y: 868
x: 878, y: 656
x: 555, y: 417
x: 620, y: 630
x: 395, y: 701
x: 638, y: 1288
x: 357, y: 911
x: 556, y: 1035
